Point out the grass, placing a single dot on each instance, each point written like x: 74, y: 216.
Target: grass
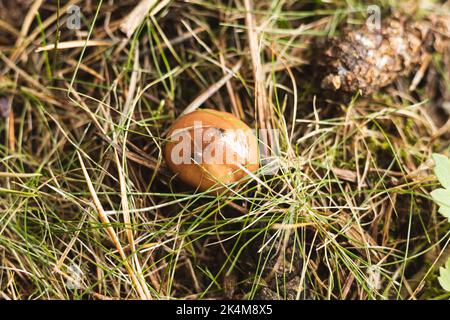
x: 89, y: 210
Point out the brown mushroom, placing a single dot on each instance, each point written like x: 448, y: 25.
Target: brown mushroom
x: 208, y: 148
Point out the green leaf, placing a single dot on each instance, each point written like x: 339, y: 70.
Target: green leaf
x: 445, y: 211
x: 444, y: 278
x: 442, y: 197
x: 442, y: 169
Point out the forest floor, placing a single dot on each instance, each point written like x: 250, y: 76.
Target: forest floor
x: 89, y: 209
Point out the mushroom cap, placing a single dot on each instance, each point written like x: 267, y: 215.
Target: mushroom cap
x: 209, y: 148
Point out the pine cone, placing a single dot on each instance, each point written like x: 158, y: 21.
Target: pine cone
x: 368, y: 60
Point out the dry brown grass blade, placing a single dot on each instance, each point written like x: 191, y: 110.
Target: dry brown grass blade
x: 135, y: 74
x: 28, y: 21
x: 110, y: 230
x: 75, y: 44
x: 212, y: 89
x: 261, y: 101
x: 70, y: 245
x: 8, y: 28
x: 426, y: 60
x: 21, y: 49
x: 11, y: 133
x: 236, y: 106
x: 138, y: 14
x: 18, y: 175
x: 83, y: 67
x: 357, y: 235
x: 23, y: 74
x: 128, y: 225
